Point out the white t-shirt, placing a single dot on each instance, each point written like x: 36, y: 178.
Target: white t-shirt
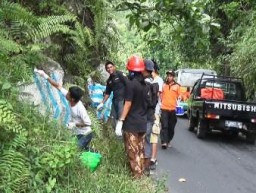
x: 160, y: 82
x: 79, y: 115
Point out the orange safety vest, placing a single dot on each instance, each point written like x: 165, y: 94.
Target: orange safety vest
x: 169, y: 96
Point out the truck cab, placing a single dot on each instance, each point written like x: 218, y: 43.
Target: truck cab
x: 186, y: 78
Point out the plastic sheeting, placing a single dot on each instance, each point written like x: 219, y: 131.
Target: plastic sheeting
x: 96, y: 92
x: 54, y: 101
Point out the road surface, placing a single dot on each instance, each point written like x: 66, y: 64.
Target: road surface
x: 217, y: 164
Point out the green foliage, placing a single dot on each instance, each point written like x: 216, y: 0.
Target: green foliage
x: 188, y: 23
x: 14, y: 171
x: 16, y: 19
x: 7, y: 46
x: 50, y: 25
x: 243, y: 59
x: 82, y: 37
x: 203, y: 34
x: 14, y: 11
x: 57, y: 158
x: 8, y: 120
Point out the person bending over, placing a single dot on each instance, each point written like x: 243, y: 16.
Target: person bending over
x: 80, y: 123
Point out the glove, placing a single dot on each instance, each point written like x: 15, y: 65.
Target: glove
x: 100, y: 107
x: 41, y: 73
x: 71, y: 125
x: 118, y: 130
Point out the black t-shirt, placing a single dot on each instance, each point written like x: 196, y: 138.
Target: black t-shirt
x: 116, y: 83
x: 136, y: 120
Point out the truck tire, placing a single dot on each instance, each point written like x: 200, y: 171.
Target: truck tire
x: 201, y: 129
x: 192, y: 124
x: 250, y: 138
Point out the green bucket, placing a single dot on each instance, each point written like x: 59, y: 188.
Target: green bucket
x: 90, y: 160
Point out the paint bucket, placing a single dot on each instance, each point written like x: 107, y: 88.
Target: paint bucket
x: 179, y: 110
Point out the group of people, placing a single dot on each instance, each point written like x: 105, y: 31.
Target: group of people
x: 136, y: 117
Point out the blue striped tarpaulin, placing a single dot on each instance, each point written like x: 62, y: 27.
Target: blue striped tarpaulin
x: 96, y: 92
x: 56, y: 104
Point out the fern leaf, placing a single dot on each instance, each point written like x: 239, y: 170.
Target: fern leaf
x: 18, y: 141
x: 82, y: 36
x: 7, y: 46
x: 51, y: 25
x: 6, y: 115
x: 13, y: 11
x: 14, y: 171
x: 55, y: 20
x: 8, y: 119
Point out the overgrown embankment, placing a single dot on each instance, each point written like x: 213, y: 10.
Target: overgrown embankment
x: 39, y: 155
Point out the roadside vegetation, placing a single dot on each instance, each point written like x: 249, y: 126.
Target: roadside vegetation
x: 37, y: 155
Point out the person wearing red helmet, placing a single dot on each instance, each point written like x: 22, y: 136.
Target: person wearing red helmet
x: 133, y: 120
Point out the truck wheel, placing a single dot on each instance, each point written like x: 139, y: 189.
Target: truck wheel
x: 192, y: 124
x: 201, y: 129
x: 250, y: 138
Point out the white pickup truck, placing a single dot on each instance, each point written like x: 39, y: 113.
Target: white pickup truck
x: 186, y: 78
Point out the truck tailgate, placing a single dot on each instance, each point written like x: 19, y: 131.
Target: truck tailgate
x: 234, y: 110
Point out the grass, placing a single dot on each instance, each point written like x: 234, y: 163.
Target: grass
x: 55, y: 165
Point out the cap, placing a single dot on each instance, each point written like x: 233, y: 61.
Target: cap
x: 149, y: 65
x: 171, y: 72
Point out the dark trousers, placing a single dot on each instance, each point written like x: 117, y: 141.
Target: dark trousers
x: 168, y: 122
x: 84, y: 141
x: 116, y: 111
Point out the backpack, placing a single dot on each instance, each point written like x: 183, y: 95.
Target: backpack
x: 152, y: 94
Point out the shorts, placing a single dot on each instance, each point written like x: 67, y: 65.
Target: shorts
x: 155, y: 130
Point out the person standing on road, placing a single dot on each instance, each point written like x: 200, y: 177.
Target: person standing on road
x: 116, y: 83
x: 80, y: 123
x: 133, y: 120
x: 156, y: 126
x: 152, y: 100
x: 169, y: 97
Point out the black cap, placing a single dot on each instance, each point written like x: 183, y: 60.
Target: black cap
x: 149, y: 65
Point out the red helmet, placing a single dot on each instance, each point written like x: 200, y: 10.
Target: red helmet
x: 135, y: 64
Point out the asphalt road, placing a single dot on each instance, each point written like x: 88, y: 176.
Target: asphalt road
x: 217, y: 164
